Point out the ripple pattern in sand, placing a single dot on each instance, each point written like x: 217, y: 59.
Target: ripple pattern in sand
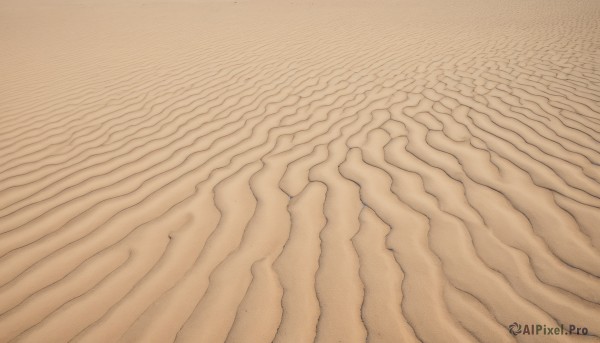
x: 398, y: 172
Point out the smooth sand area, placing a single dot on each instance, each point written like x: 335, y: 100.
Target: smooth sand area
x: 299, y: 171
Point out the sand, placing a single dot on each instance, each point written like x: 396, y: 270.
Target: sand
x: 329, y: 171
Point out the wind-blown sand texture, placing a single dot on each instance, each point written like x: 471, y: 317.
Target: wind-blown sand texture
x: 390, y: 171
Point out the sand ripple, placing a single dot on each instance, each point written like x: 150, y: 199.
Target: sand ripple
x: 255, y: 172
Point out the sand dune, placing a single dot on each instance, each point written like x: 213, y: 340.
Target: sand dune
x: 256, y: 171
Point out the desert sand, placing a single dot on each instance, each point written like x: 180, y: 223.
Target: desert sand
x: 299, y: 171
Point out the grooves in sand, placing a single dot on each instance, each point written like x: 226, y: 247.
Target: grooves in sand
x: 396, y: 171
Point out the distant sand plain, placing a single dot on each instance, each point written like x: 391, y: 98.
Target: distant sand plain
x: 253, y: 171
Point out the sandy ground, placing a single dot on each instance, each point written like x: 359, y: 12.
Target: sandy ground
x: 251, y: 171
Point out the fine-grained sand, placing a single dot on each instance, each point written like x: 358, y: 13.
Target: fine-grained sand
x: 330, y: 171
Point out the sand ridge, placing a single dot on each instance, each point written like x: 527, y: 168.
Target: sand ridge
x: 392, y: 171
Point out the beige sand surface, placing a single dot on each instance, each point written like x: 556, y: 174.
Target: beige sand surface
x: 329, y: 171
